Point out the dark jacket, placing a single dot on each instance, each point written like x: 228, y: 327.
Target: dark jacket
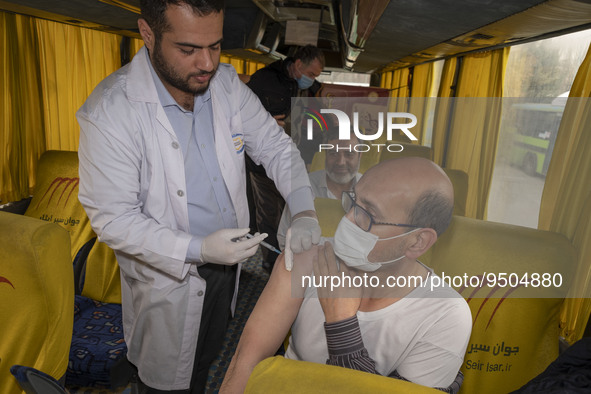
x: 275, y: 88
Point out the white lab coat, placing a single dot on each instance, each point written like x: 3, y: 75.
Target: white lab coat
x: 132, y: 185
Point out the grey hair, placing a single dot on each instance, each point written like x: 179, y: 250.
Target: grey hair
x: 432, y: 210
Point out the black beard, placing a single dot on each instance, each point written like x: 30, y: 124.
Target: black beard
x: 170, y: 76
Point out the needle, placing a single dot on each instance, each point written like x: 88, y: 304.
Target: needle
x: 266, y: 245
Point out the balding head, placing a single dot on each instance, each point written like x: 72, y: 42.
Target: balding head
x: 413, y: 187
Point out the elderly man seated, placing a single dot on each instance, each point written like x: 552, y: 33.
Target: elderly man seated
x: 413, y: 331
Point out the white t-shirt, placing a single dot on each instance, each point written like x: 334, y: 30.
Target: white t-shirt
x: 423, y: 336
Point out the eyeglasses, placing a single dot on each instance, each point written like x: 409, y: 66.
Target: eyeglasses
x: 363, y: 218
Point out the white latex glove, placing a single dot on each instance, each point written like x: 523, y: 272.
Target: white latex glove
x: 303, y: 233
x: 227, y: 246
x: 287, y: 251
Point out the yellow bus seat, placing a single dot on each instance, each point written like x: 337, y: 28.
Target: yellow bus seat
x: 330, y: 212
x: 55, y: 200
x: 37, y: 293
x: 96, y: 344
x: 280, y: 375
x: 515, y: 333
x: 55, y: 197
x: 103, y: 280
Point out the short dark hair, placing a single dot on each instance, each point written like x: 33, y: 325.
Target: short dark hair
x: 432, y: 210
x: 153, y: 11
x: 308, y: 53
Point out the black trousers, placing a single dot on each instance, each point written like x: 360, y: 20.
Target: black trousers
x: 220, y: 281
x: 266, y: 206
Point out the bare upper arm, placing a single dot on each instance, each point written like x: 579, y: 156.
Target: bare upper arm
x: 278, y: 305
x: 269, y: 322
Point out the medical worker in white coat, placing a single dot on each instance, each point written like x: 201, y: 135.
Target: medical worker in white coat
x: 162, y: 180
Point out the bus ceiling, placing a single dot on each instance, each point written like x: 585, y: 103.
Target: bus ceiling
x: 361, y: 35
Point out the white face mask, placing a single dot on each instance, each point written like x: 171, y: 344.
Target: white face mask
x: 353, y: 245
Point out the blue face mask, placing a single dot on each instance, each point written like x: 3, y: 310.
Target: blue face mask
x: 304, y: 82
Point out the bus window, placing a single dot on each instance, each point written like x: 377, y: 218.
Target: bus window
x: 537, y: 81
x: 533, y: 134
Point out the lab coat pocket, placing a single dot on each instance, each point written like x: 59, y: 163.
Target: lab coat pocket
x: 142, y: 274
